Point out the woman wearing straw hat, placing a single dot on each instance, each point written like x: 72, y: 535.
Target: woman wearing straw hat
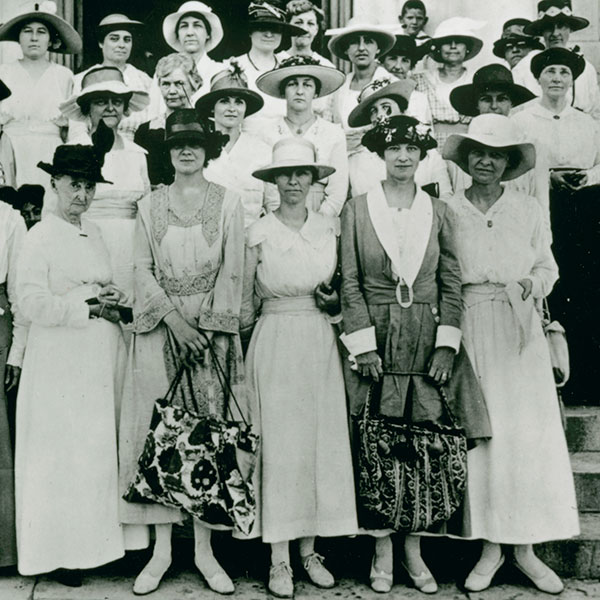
x: 520, y: 485
x: 401, y: 306
x: 105, y: 98
x: 188, y: 288
x: 178, y: 80
x: 452, y: 44
x: 570, y: 142
x: 379, y: 100
x: 66, y: 452
x: 294, y: 372
x: 228, y: 103
x: 31, y: 117
x: 116, y: 35
x: 300, y: 79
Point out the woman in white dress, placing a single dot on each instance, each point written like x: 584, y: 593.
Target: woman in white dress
x: 304, y: 479
x: 520, y: 485
x: 381, y: 99
x: 228, y: 103
x: 189, y: 254
x: 66, y: 452
x: 104, y: 97
x: 300, y: 80
x: 31, y: 117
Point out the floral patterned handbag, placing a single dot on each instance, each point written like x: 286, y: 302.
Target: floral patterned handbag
x: 411, y: 475
x: 194, y: 463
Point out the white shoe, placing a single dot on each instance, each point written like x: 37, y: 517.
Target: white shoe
x: 477, y: 581
x: 147, y: 581
x: 549, y: 582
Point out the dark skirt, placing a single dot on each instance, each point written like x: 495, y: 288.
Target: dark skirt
x: 575, y: 218
x: 8, y: 545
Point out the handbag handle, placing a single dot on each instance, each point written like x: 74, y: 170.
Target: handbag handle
x: 441, y: 390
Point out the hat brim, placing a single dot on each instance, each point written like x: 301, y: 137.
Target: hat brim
x: 206, y: 104
x: 451, y: 151
x: 360, y: 117
x: 133, y: 27
x: 51, y: 170
x: 537, y: 27
x: 499, y: 49
x: 71, y: 108
x: 331, y: 79
x: 71, y: 40
x: 4, y: 90
x: 337, y: 44
x: 268, y: 173
x: 464, y: 97
x: 432, y: 46
x: 279, y: 26
x: 575, y: 62
x: 170, y: 33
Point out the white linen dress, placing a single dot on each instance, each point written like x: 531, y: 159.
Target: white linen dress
x: 520, y: 485
x: 304, y: 478
x: 66, y: 451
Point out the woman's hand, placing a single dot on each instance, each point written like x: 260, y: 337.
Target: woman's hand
x: 369, y: 364
x: 440, y: 365
x: 110, y: 295
x: 527, y: 286
x: 103, y: 311
x: 570, y: 180
x: 327, y: 299
x: 191, y: 341
x: 11, y: 377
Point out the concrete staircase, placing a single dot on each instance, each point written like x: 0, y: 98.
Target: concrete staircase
x: 580, y: 557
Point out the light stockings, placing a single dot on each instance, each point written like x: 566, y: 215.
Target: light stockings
x: 384, y: 554
x: 203, y: 553
x: 412, y: 555
x: 161, y: 555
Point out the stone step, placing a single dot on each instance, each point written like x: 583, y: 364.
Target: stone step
x: 586, y: 472
x: 583, y: 428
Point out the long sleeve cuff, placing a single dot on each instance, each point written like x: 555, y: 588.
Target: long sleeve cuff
x: 15, y: 356
x: 448, y: 336
x: 360, y: 341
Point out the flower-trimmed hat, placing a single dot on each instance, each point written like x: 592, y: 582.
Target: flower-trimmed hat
x: 399, y: 91
x: 514, y: 39
x: 329, y: 78
x: 492, y: 131
x: 229, y: 82
x: 338, y: 44
x: 190, y: 9
x: 557, y: 56
x: 491, y: 77
x: 295, y: 153
x: 4, y: 91
x: 400, y: 129
x: 78, y: 161
x: 45, y: 12
x: 551, y: 12
x: 459, y: 29
x: 99, y: 82
x: 263, y: 15
x: 118, y: 22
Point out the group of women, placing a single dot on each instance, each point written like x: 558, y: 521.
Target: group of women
x: 216, y: 229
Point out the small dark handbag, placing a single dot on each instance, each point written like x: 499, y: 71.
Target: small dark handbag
x: 411, y: 476
x: 202, y: 465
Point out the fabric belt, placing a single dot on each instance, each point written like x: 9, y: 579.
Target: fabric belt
x: 293, y: 304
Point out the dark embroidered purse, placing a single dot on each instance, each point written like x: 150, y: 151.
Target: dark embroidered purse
x: 411, y: 476
x: 202, y: 465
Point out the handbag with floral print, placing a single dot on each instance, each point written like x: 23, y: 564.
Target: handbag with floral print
x: 202, y: 465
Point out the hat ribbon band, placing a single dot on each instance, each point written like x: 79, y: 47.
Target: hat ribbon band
x: 554, y: 11
x: 254, y: 7
x: 187, y: 127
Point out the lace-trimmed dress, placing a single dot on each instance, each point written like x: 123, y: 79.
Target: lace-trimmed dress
x: 194, y: 266
x: 304, y: 479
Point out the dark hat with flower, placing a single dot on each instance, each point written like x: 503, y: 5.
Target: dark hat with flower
x: 231, y: 81
x: 78, y: 161
x: 263, y: 15
x: 557, y: 56
x: 184, y: 125
x: 400, y: 129
x: 551, y: 12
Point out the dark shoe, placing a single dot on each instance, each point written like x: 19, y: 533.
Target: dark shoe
x: 68, y: 577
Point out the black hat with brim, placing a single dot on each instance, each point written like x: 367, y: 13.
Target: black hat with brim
x: 4, y: 90
x: 184, y: 125
x: 557, y: 56
x: 552, y: 12
x: 398, y: 129
x: 76, y: 160
x: 405, y: 46
x: 118, y: 22
x: 515, y: 38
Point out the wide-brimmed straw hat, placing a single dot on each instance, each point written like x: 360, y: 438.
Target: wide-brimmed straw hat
x: 4, y: 90
x: 99, y: 82
x: 491, y: 77
x: 492, y: 131
x: 45, y: 13
x: 118, y: 22
x: 399, y: 91
x: 330, y: 79
x: 229, y: 82
x: 294, y: 153
x: 263, y: 14
x: 339, y: 42
x: 551, y: 12
x: 192, y: 8
x: 557, y: 56
x: 513, y: 39
x: 399, y: 129
x: 460, y: 29
x: 76, y: 160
